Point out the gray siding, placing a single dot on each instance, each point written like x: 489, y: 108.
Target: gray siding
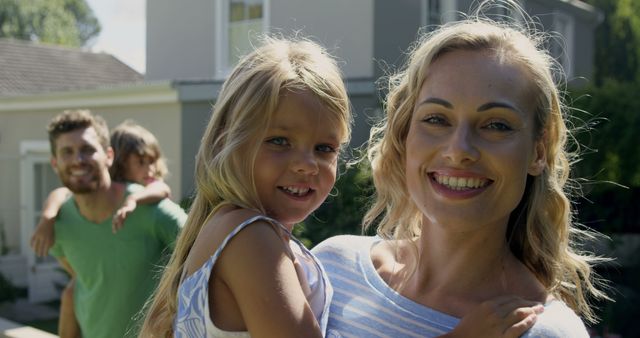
x: 344, y: 27
x: 396, y: 25
x: 180, y: 39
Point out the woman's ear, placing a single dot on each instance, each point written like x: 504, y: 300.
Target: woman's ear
x: 539, y: 159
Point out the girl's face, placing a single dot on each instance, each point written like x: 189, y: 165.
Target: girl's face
x: 471, y: 141
x: 295, y: 167
x: 140, y: 169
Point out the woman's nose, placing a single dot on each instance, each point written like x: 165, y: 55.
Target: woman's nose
x: 461, y: 147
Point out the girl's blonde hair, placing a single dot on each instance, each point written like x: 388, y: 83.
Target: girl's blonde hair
x: 131, y: 138
x: 225, y: 160
x: 541, y: 231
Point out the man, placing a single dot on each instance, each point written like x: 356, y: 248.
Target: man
x: 112, y: 274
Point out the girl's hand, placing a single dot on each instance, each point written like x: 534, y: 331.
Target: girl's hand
x: 507, y: 316
x: 121, y: 214
x: 43, y: 237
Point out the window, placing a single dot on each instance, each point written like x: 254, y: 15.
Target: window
x: 239, y: 23
x: 437, y: 12
x: 433, y: 13
x: 562, y: 46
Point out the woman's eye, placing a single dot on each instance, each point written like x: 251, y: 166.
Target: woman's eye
x: 498, y: 126
x: 326, y: 148
x: 278, y: 141
x: 435, y: 120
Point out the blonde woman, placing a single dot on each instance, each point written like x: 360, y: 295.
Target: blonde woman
x: 471, y: 167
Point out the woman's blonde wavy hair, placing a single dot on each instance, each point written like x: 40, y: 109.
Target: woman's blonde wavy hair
x: 541, y: 231
x: 225, y: 160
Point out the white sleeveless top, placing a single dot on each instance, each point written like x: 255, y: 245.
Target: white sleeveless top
x: 193, y: 318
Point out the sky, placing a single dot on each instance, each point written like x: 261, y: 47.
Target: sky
x: 123, y: 33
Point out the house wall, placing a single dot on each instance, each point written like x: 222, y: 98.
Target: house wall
x: 180, y: 39
x: 344, y: 27
x: 396, y: 25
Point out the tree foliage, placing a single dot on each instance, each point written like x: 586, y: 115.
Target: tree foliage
x: 62, y: 22
x: 609, y: 115
x: 618, y: 41
x: 341, y: 213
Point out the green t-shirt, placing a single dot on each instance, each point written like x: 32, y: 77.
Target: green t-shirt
x: 115, y: 273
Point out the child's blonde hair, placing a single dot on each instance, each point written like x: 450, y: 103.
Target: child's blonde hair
x: 541, y: 231
x: 131, y: 138
x: 225, y: 160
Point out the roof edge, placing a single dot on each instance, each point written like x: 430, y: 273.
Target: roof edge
x: 129, y: 94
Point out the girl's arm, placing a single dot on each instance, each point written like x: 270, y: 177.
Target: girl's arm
x: 152, y: 192
x: 260, y: 289
x: 507, y: 317
x: 43, y: 237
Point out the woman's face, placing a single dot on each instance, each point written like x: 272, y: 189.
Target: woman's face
x: 471, y: 141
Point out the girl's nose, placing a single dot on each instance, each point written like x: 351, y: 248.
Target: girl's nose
x: 461, y: 147
x: 305, y: 162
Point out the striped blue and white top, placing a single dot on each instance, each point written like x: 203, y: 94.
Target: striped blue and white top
x: 363, y: 305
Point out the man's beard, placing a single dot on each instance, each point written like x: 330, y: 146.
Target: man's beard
x: 81, y: 187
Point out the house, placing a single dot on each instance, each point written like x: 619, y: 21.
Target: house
x: 186, y: 64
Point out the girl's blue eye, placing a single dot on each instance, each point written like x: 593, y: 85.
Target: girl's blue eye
x: 278, y: 141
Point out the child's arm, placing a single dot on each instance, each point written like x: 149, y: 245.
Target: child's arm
x: 153, y: 192
x: 265, y: 284
x: 507, y: 317
x: 43, y: 237
x: 256, y: 279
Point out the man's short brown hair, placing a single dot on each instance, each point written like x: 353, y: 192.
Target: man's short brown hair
x: 71, y: 120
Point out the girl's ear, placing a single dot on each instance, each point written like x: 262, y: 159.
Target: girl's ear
x: 539, y: 160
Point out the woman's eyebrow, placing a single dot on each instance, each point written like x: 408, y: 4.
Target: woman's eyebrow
x: 437, y: 101
x: 491, y: 105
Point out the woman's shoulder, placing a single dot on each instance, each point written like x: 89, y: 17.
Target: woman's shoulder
x: 558, y: 320
x: 345, y: 248
x: 345, y: 243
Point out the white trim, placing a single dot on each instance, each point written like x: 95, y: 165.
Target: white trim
x: 30, y: 152
x: 130, y: 94
x: 221, y: 45
x: 449, y: 10
x: 41, y: 276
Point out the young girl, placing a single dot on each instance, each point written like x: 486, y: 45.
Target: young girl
x: 267, y: 160
x: 138, y: 158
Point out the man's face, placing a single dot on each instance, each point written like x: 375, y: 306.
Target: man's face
x: 81, y: 162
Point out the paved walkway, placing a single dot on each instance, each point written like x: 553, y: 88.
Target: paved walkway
x: 9, y: 329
